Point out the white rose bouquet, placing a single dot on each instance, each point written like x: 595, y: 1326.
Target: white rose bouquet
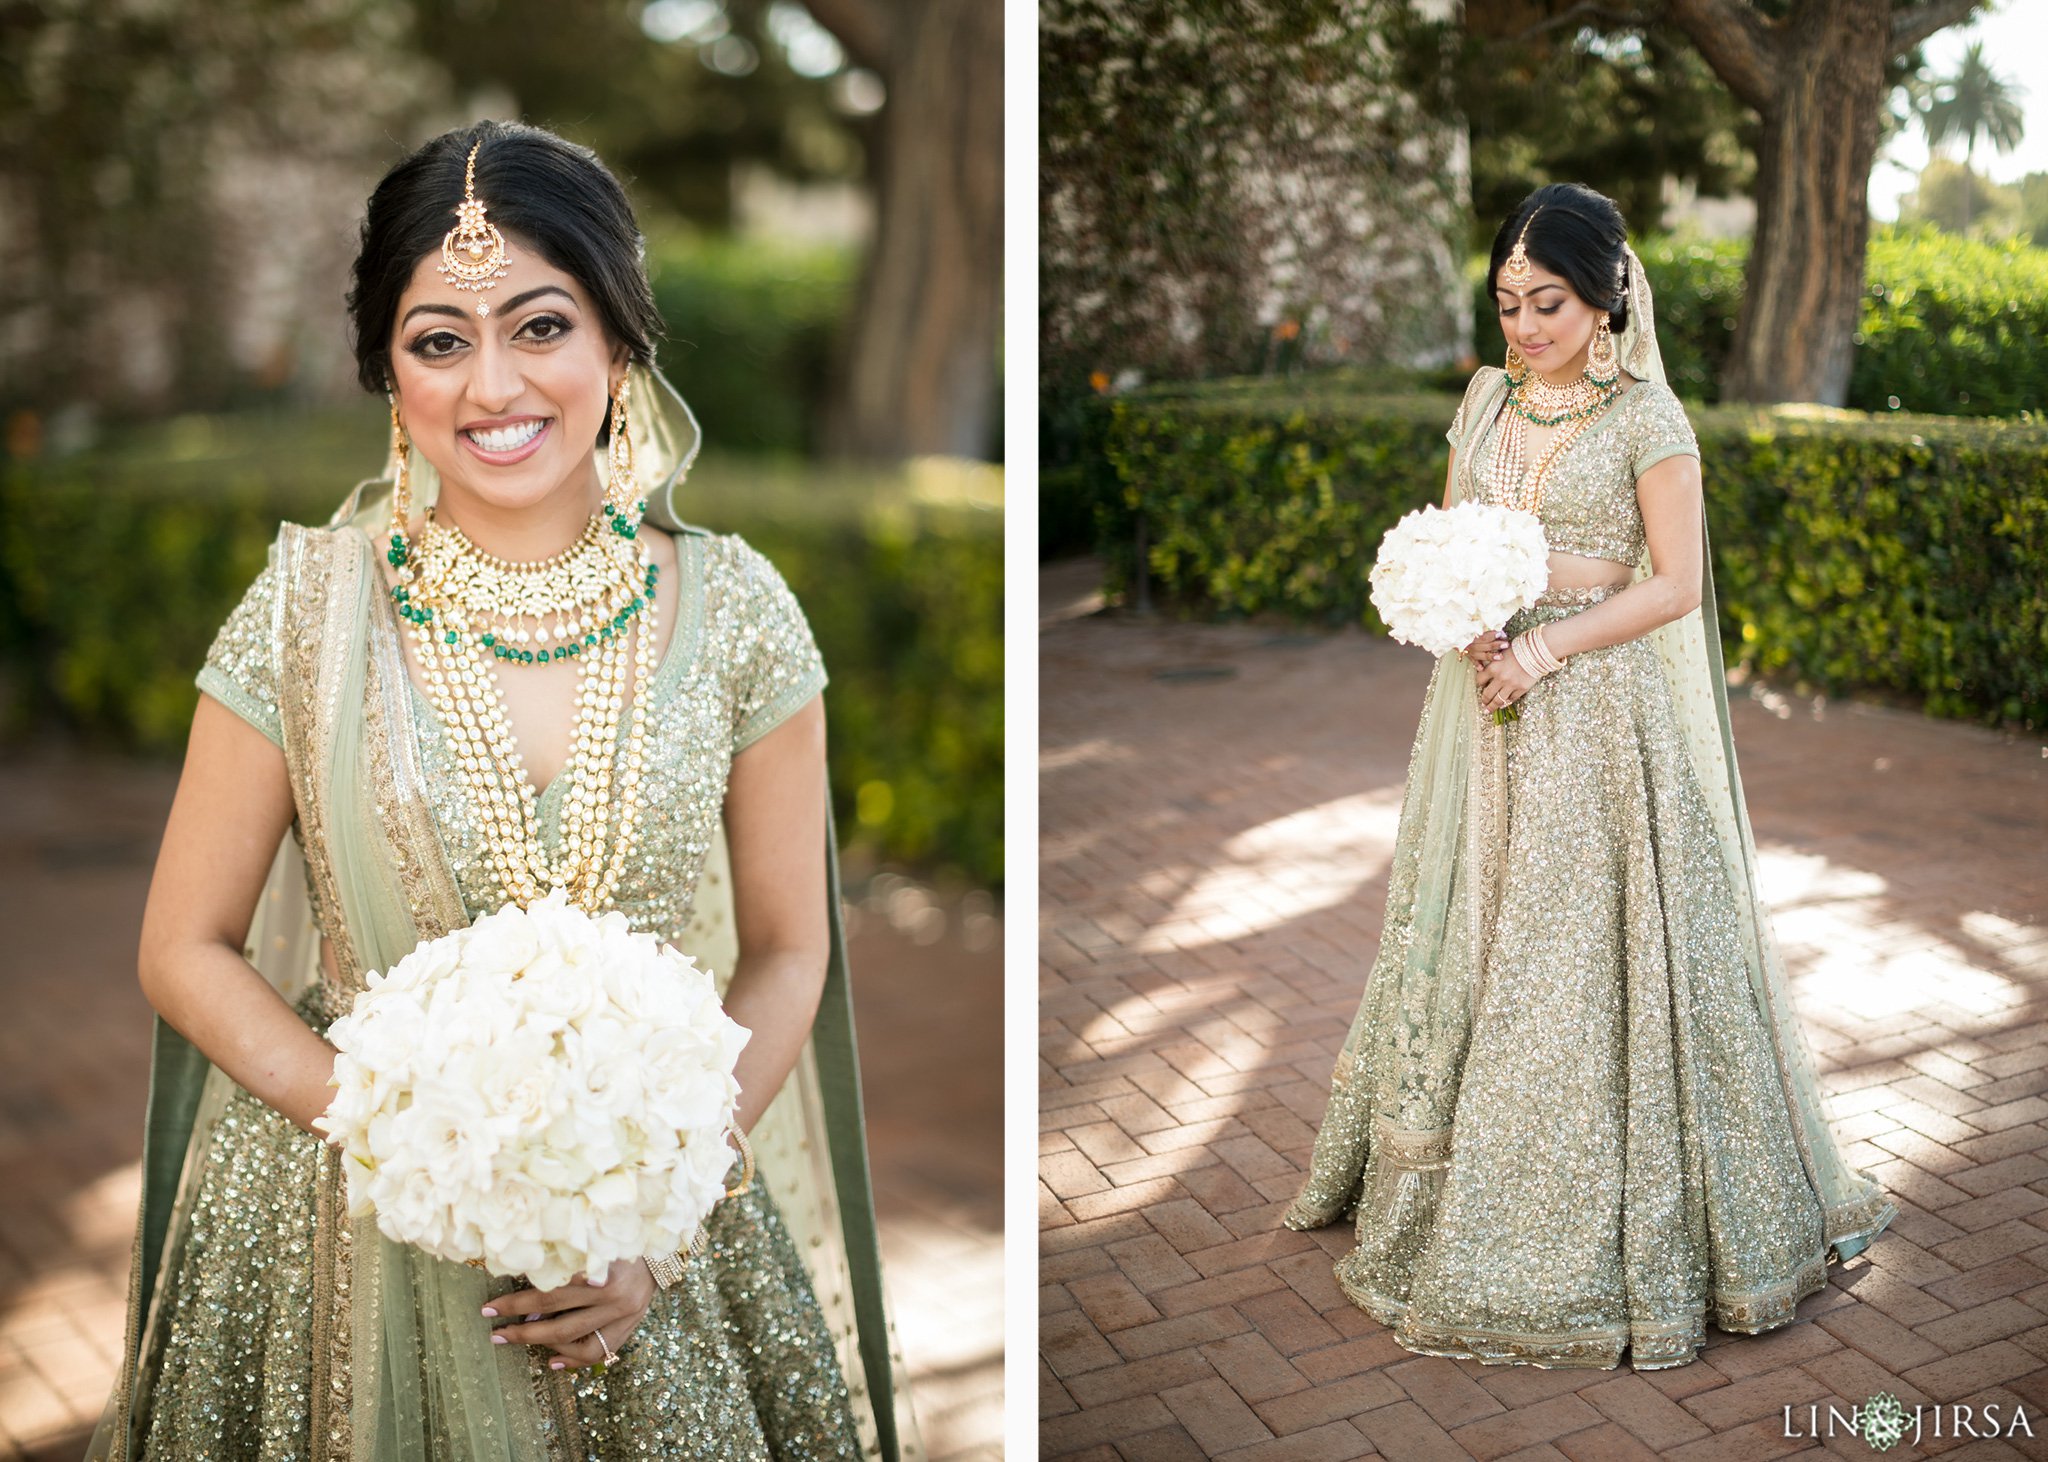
x: 1445, y: 576
x: 542, y: 1093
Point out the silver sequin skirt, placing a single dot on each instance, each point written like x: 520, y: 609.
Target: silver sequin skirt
x: 1621, y: 1166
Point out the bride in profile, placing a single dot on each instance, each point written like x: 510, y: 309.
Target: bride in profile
x: 1575, y: 1117
x: 508, y: 666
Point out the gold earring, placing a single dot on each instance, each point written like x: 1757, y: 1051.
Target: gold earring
x: 623, y: 503
x: 1517, y: 368
x: 401, y: 489
x: 1603, y: 362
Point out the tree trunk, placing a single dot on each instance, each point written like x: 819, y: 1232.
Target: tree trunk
x: 1795, y: 339
x: 1818, y: 80
x: 918, y: 371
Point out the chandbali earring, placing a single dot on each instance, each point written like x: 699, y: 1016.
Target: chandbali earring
x: 1518, y: 368
x: 401, y: 489
x: 623, y: 504
x: 1603, y: 361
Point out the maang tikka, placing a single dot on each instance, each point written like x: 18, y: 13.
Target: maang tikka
x: 473, y: 253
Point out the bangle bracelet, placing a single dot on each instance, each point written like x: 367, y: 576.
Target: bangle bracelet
x: 1532, y: 653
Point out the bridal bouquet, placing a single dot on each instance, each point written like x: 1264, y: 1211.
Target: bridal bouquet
x: 542, y: 1093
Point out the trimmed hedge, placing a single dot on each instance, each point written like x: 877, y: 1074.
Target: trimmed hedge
x: 752, y: 328
x: 1896, y: 554
x: 1952, y: 326
x: 117, y: 566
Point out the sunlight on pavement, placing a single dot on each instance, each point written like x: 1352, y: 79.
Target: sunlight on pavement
x: 1825, y: 913
x: 1316, y: 858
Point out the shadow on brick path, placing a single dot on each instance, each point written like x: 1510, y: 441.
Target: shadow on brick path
x: 77, y: 839
x: 1218, y: 806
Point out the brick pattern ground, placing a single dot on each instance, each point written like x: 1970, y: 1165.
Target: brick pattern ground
x: 1218, y: 805
x: 76, y: 842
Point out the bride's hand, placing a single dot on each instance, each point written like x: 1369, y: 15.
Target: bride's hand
x: 567, y: 1319
x: 1503, y: 683
x: 1487, y: 648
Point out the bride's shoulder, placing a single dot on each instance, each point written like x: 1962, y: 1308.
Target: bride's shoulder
x: 1482, y: 381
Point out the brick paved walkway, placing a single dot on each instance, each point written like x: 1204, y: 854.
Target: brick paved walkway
x: 76, y: 844
x: 1218, y: 805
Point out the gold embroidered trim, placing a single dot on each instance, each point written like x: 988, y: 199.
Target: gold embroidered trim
x: 332, y: 1333
x: 398, y: 785
x: 315, y: 600
x: 1424, y: 1150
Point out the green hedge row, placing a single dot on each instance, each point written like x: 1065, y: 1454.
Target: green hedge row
x: 117, y: 566
x: 1951, y: 326
x: 1890, y: 554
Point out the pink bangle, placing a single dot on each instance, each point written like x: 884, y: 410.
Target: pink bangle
x: 1532, y: 653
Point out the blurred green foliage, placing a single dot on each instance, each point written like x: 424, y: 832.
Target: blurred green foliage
x: 118, y: 565
x: 1893, y: 554
x: 752, y: 330
x: 1951, y: 326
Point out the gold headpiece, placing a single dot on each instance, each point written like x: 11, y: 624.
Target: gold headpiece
x: 473, y: 253
x: 1515, y: 270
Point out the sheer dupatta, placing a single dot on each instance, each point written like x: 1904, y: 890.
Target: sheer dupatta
x: 402, y: 1367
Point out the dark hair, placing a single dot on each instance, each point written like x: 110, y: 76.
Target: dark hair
x: 1577, y: 234
x: 549, y: 191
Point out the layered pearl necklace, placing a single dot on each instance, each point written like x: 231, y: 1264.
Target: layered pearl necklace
x: 1533, y: 401
x: 469, y: 610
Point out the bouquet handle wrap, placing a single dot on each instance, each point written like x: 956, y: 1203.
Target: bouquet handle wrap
x: 403, y: 1367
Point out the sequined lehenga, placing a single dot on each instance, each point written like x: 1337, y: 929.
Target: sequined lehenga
x: 264, y: 1322
x: 1575, y: 1116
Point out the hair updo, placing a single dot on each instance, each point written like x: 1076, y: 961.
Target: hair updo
x: 1578, y: 235
x: 553, y: 194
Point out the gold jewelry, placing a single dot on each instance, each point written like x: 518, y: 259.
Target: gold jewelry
x: 600, y: 824
x: 1510, y: 480
x: 473, y: 253
x: 1603, y: 361
x: 401, y: 487
x: 598, y: 581
x: 1517, y: 367
x: 1515, y: 270
x: 623, y: 503
x: 611, y: 1357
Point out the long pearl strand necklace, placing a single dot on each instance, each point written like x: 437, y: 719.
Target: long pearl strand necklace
x: 454, y: 587
x: 1535, y: 401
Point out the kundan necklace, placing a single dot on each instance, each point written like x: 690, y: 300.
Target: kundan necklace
x: 468, y: 611
x: 1534, y: 401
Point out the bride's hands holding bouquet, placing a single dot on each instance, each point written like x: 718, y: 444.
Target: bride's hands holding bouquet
x: 1502, y: 682
x: 569, y: 1320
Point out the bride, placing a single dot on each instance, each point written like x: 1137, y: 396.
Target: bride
x: 415, y: 715
x: 1575, y: 1116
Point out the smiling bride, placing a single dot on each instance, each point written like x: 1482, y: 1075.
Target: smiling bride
x: 507, y: 670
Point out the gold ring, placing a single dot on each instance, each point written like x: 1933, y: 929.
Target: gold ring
x: 610, y: 1356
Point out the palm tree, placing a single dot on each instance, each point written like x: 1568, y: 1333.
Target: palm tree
x: 1975, y: 102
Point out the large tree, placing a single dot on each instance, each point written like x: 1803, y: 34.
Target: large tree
x: 1818, y: 74
x: 920, y: 364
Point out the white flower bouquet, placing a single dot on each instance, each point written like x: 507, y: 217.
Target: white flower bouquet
x: 1445, y: 576
x: 542, y: 1093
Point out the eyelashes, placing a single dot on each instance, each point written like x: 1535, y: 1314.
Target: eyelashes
x: 441, y: 344
x: 1510, y: 314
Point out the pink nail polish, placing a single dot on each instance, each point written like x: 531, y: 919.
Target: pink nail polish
x: 491, y: 1312
x: 499, y: 1340
x: 556, y: 1365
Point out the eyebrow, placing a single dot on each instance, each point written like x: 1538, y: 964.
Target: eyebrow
x: 510, y: 305
x: 1537, y: 290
